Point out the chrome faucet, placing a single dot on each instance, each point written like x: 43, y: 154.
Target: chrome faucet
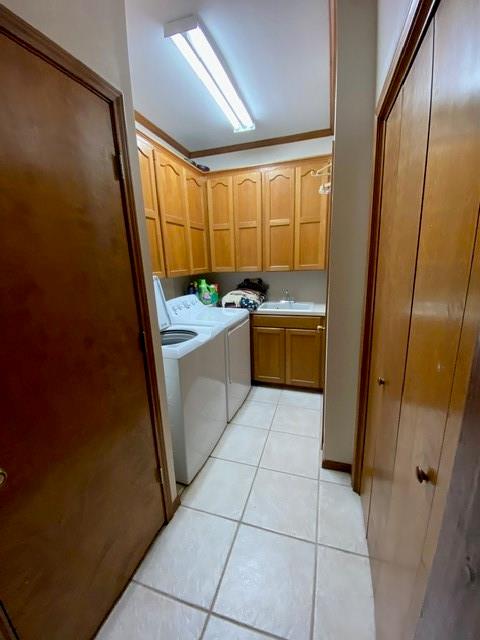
x: 288, y: 297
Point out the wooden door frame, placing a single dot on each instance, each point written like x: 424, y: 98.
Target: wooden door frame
x: 38, y: 44
x: 418, y: 20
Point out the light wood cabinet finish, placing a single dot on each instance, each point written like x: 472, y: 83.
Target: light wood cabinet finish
x: 170, y: 177
x: 197, y: 216
x: 278, y: 218
x: 269, y: 354
x: 311, y: 217
x: 303, y: 355
x: 152, y: 217
x: 247, y: 208
x: 268, y: 218
x: 220, y: 214
x: 289, y: 350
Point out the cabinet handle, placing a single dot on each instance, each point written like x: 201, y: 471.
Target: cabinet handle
x: 381, y: 381
x: 422, y: 476
x: 320, y: 328
x: 3, y: 477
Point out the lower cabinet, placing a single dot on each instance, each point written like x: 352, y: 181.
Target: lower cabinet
x: 269, y: 354
x: 289, y: 350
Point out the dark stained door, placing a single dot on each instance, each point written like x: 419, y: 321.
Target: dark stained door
x: 81, y: 502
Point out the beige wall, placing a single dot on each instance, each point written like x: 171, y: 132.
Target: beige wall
x: 95, y: 32
x: 390, y: 20
x: 356, y: 41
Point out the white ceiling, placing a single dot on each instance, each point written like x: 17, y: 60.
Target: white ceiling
x: 277, y: 52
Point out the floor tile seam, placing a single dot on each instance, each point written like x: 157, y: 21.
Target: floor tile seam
x: 291, y: 433
x: 250, y: 426
x: 217, y: 590
x: 285, y: 473
x: 349, y: 551
x: 198, y: 607
x: 288, y: 473
x: 252, y: 525
x: 262, y: 632
x: 314, y: 597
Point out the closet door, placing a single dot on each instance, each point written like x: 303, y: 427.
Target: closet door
x: 247, y: 208
x: 197, y: 221
x: 152, y: 218
x: 170, y: 176
x: 403, y: 178
x: 220, y: 214
x: 279, y: 208
x: 449, y: 220
x: 311, y: 216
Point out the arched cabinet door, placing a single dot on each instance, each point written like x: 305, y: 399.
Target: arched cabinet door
x: 311, y: 216
x: 220, y: 212
x: 170, y: 177
x: 152, y: 216
x: 279, y: 208
x: 247, y: 208
x: 197, y: 222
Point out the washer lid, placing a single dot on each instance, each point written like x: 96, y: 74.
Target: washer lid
x: 162, y: 312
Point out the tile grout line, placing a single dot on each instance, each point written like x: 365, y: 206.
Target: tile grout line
x: 217, y: 590
x: 198, y: 607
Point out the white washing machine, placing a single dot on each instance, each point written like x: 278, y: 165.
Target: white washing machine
x: 189, y: 311
x: 193, y: 360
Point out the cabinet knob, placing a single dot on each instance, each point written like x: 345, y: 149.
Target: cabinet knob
x: 422, y: 476
x: 3, y: 477
x: 381, y: 381
x: 320, y: 328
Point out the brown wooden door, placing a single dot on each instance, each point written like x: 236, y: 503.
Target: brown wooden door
x: 278, y: 212
x: 82, y: 502
x: 311, y: 217
x: 303, y: 354
x: 152, y: 217
x: 269, y: 354
x: 170, y: 178
x: 449, y: 219
x: 403, y: 177
x: 247, y: 208
x: 220, y: 213
x: 197, y: 221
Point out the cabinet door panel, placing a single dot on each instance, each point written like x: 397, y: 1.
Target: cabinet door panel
x: 152, y: 218
x: 311, y: 217
x: 304, y: 349
x: 279, y: 206
x: 247, y: 207
x: 269, y: 354
x: 197, y: 222
x: 220, y: 213
x: 170, y: 178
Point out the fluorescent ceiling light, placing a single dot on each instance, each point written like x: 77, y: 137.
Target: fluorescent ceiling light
x: 192, y: 42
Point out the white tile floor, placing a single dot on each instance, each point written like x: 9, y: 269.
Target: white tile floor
x: 266, y: 544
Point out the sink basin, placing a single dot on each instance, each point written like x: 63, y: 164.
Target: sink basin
x: 285, y: 306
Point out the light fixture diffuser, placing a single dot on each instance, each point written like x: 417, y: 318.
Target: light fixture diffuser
x: 194, y: 45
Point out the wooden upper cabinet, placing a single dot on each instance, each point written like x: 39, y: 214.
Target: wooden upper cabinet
x: 247, y: 208
x: 197, y: 221
x: 311, y: 217
x: 170, y: 176
x: 278, y: 215
x: 152, y: 218
x: 220, y: 212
